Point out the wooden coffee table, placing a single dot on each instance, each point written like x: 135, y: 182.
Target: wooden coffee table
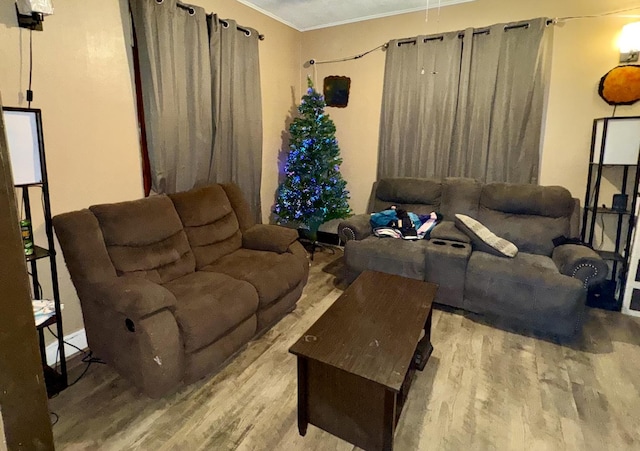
x: 356, y: 363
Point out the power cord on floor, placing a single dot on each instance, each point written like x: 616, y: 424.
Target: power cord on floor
x: 87, y: 357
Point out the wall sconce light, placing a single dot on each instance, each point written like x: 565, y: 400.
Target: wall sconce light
x: 629, y: 43
x: 31, y: 13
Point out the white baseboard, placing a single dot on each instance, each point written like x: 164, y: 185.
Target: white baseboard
x: 77, y: 338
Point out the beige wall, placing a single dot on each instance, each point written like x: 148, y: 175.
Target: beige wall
x: 82, y: 83
x: 584, y: 50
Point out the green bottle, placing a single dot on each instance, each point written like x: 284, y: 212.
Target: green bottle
x: 27, y: 236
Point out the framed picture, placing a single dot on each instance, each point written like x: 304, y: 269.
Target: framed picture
x: 336, y: 91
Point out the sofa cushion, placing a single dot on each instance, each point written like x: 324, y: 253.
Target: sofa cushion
x: 210, y: 223
x: 460, y: 195
x: 484, y: 239
x: 273, y: 275
x: 530, y: 216
x: 519, y: 199
x: 209, y: 305
x: 528, y: 287
x: 389, y: 255
x: 532, y: 234
x: 447, y: 230
x: 420, y: 196
x: 145, y: 238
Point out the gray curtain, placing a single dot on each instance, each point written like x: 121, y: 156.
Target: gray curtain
x: 498, y: 104
x: 237, y: 109
x: 173, y: 54
x: 419, y: 106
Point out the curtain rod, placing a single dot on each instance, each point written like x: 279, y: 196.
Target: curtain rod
x: 477, y: 32
x: 191, y: 10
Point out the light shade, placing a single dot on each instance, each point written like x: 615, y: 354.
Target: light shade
x: 28, y: 7
x: 629, y: 42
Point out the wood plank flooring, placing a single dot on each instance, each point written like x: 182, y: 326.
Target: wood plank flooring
x: 484, y: 388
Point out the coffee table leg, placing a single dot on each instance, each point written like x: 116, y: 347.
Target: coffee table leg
x: 303, y: 400
x: 424, y: 348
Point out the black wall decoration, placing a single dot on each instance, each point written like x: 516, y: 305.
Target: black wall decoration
x: 336, y: 91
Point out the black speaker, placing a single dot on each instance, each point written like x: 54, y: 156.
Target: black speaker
x: 619, y: 202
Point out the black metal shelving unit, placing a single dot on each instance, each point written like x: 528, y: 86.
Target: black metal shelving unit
x: 625, y: 221
x: 55, y: 377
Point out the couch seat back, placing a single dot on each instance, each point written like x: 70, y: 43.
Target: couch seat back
x: 210, y: 223
x: 420, y: 196
x: 145, y: 238
x: 530, y: 216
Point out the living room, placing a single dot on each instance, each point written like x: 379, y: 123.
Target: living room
x: 83, y: 81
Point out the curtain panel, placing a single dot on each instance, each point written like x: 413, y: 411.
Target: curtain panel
x: 237, y: 109
x: 176, y: 92
x: 484, y: 121
x: 200, y: 83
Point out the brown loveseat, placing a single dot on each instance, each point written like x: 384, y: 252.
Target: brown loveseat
x: 543, y: 288
x: 172, y: 286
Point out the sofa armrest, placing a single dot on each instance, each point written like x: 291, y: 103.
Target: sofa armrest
x: 133, y: 297
x: 268, y: 237
x: 580, y: 262
x: 356, y: 228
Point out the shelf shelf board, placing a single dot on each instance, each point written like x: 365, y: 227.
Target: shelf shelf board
x: 26, y: 185
x: 38, y: 253
x: 610, y: 255
x: 612, y: 165
x: 49, y: 322
x: 608, y: 211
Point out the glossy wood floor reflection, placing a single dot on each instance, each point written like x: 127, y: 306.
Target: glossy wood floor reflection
x: 483, y: 388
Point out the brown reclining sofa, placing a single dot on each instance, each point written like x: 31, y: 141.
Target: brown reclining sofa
x: 172, y: 286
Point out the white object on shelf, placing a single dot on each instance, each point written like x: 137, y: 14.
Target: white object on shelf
x: 43, y: 309
x: 621, y: 143
x: 24, y: 146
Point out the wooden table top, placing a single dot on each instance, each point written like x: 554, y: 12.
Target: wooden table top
x: 372, y: 329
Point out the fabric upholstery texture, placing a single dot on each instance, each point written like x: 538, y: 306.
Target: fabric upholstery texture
x: 446, y: 265
x: 272, y: 275
x: 447, y: 230
x: 517, y: 290
x: 527, y: 289
x: 145, y: 238
x: 460, y: 195
x: 149, y: 311
x: 209, y: 305
x: 484, y: 239
x: 210, y: 223
x: 390, y: 255
x: 266, y: 237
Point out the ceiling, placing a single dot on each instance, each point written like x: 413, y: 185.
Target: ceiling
x: 304, y: 15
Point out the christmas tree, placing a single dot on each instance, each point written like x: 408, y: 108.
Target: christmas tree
x: 313, y: 191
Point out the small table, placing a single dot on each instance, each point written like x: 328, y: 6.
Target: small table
x: 356, y: 363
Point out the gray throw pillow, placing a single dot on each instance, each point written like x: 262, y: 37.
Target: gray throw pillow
x: 484, y: 239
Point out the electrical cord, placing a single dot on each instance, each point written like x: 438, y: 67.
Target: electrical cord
x: 87, y: 357
x: 39, y: 294
x: 56, y: 418
x: 30, y: 91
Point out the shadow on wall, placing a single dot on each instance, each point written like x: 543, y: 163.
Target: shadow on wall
x: 284, y: 149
